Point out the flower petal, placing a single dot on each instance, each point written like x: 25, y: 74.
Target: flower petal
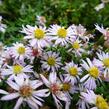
x: 10, y: 96
x: 19, y: 102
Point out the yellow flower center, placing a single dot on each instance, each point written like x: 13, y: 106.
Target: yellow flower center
x: 62, y: 33
x: 106, y: 62
x: 39, y: 33
x: 51, y: 61
x: 73, y: 71
x: 17, y: 69
x: 94, y: 72
x: 21, y: 50
x: 101, y: 103
x: 66, y: 86
x: 25, y: 91
x: 76, y: 45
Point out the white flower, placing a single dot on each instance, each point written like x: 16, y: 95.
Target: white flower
x: 77, y: 48
x: 89, y: 80
x: 54, y: 84
x: 60, y: 35
x: 97, y: 100
x: 41, y: 20
x: 51, y: 61
x: 81, y: 32
x: 20, y: 52
x: 67, y: 87
x: 101, y: 5
x: 73, y: 72
x: 105, y: 32
x: 2, y: 26
x: 25, y: 91
x: 103, y: 63
x: 17, y: 70
x: 36, y: 36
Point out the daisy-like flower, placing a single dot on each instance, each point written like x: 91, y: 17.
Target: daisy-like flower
x: 26, y: 91
x: 20, y: 52
x: 89, y: 80
x: 67, y: 87
x: 81, y: 102
x: 2, y: 26
x: 103, y: 63
x: 41, y: 20
x: 36, y: 36
x: 73, y: 72
x: 54, y: 85
x: 105, y: 32
x: 77, y: 48
x: 60, y: 35
x: 95, y: 100
x: 81, y: 32
x: 51, y: 61
x: 17, y: 70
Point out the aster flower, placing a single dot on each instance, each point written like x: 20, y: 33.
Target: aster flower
x: 105, y: 32
x: 81, y: 32
x: 60, y: 35
x: 77, y: 48
x: 51, y: 61
x: 36, y: 36
x: 20, y: 52
x: 97, y: 101
x: 25, y: 91
x: 82, y: 104
x: 103, y: 63
x: 41, y: 20
x: 2, y: 26
x: 16, y: 70
x: 89, y: 80
x: 73, y: 72
x: 67, y: 87
x: 54, y: 85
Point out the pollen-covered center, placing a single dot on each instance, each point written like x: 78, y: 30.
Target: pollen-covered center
x: 21, y: 50
x: 62, y: 33
x: 39, y: 33
x: 51, y: 61
x: 17, y: 69
x: 54, y: 88
x: 94, y: 72
x: 76, y: 45
x: 66, y: 86
x: 101, y: 103
x: 73, y: 71
x: 25, y: 91
x: 106, y: 62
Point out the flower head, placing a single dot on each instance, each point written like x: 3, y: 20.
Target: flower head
x: 97, y: 100
x: 36, y: 36
x: 25, y: 91
x: 51, y: 61
x: 54, y: 85
x: 93, y: 74
x: 73, y: 72
x: 60, y: 35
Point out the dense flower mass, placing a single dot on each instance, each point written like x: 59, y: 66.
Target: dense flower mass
x: 56, y: 64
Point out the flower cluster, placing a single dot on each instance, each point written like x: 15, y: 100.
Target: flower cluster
x: 49, y: 63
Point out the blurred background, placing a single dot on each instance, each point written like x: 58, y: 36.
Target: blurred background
x: 16, y: 13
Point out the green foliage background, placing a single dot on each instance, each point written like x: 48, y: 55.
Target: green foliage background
x: 64, y: 12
